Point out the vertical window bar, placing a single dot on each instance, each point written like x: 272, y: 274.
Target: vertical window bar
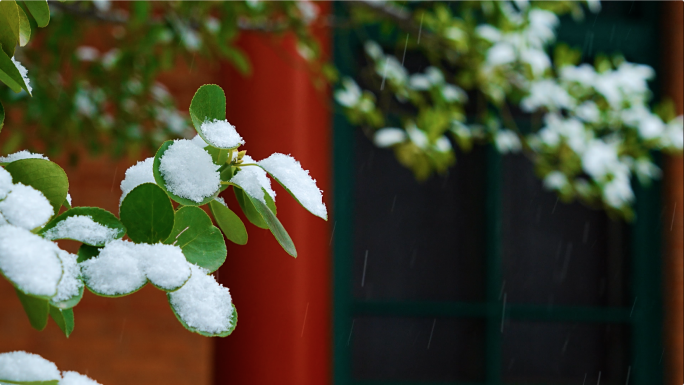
x: 495, y: 296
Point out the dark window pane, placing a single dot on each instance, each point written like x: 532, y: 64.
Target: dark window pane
x: 558, y: 253
x: 417, y: 349
x: 557, y: 353
x: 423, y: 240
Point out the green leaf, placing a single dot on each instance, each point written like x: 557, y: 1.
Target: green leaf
x: 229, y: 222
x: 39, y: 10
x: 43, y: 175
x: 9, y: 74
x: 66, y: 204
x: 274, y: 225
x: 147, y: 213
x: 71, y: 302
x: 36, y: 309
x: 24, y: 27
x: 209, y: 103
x: 9, y: 26
x: 85, y: 252
x: 239, y: 59
x: 248, y: 208
x: 51, y: 382
x: 98, y: 215
x: 64, y: 318
x: 218, y: 155
x: 233, y: 322
x: 201, y: 242
x: 162, y: 183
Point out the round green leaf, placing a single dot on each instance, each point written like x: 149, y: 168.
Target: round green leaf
x: 201, y: 242
x: 101, y: 216
x: 43, y: 175
x: 147, y: 213
x: 229, y: 222
x: 233, y: 323
x: 162, y: 183
x: 209, y: 103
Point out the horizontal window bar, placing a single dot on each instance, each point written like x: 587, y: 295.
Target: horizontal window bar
x: 484, y: 310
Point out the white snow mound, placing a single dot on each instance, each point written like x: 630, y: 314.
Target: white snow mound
x: 24, y: 367
x: 26, y: 207
x: 290, y: 174
x: 29, y: 261
x: 189, y: 171
x: 221, y: 134
x: 252, y: 179
x: 82, y: 228
x: 203, y: 303
x: 115, y: 271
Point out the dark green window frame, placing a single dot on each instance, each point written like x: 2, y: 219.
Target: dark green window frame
x: 644, y: 317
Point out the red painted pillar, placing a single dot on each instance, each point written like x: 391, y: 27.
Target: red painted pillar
x: 284, y: 304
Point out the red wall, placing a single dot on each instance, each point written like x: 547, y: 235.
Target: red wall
x: 284, y: 304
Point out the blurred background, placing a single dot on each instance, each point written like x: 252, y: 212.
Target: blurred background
x: 477, y: 276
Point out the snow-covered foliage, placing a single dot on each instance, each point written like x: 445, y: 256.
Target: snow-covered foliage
x: 174, y: 248
x: 22, y: 367
x: 598, y: 129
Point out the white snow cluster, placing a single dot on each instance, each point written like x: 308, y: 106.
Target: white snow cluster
x: 388, y: 137
x: 525, y: 45
x: 189, y: 171
x: 252, y: 179
x: 123, y: 267
x: 70, y: 284
x: 26, y: 367
x: 29, y: 261
x: 5, y: 182
x: 21, y: 367
x: 81, y: 228
x: 290, y: 173
x: 164, y: 265
x: 136, y: 175
x: 115, y: 271
x: 24, y: 74
x: 23, y: 154
x: 202, y: 303
x: 221, y: 134
x: 26, y: 207
x: 74, y: 378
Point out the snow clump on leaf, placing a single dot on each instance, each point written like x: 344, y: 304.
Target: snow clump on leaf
x: 29, y: 261
x: 221, y: 134
x: 252, y: 179
x: 164, y: 265
x: 70, y: 284
x: 82, y: 228
x: 26, y: 367
x: 74, y: 378
x: 136, y: 175
x: 26, y: 207
x: 115, y: 271
x: 23, y: 154
x: 202, y: 303
x: 5, y: 183
x: 189, y: 171
x: 297, y: 181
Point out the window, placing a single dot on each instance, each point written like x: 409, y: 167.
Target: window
x: 483, y: 277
